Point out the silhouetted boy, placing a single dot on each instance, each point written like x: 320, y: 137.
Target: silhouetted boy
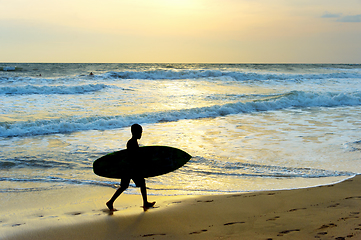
x: 133, y: 147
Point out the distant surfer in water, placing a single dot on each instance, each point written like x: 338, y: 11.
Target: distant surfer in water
x: 133, y: 147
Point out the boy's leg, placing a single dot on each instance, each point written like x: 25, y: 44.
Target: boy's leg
x: 123, y: 185
x: 143, y: 189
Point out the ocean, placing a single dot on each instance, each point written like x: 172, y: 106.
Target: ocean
x: 248, y: 127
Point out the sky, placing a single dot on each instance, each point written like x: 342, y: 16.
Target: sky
x: 169, y: 31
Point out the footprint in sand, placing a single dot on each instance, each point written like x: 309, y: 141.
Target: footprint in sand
x: 273, y: 219
x: 334, y: 205
x: 250, y: 195
x: 232, y: 223
x: 96, y: 212
x: 288, y: 231
x: 327, y: 226
x: 357, y: 197
x: 343, y: 238
x: 234, y: 196
x: 17, y: 224
x: 201, y: 231
x: 296, y: 209
x: 74, y: 213
x: 205, y: 201
x: 154, y: 234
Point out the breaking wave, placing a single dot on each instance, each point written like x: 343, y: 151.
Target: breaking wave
x: 295, y: 99
x: 194, y: 74
x: 203, y: 166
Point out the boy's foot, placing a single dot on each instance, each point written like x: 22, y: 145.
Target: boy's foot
x: 110, y: 206
x: 148, y: 205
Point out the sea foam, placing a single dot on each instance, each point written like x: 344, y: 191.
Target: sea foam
x: 46, y: 90
x: 294, y: 99
x: 236, y: 75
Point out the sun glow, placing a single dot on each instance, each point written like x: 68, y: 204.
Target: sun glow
x: 178, y: 31
x: 177, y: 3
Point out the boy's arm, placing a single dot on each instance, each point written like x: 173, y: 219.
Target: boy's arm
x: 133, y: 148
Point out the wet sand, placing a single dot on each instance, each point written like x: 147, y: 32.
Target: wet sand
x: 325, y: 212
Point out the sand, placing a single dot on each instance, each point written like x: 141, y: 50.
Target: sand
x: 325, y: 212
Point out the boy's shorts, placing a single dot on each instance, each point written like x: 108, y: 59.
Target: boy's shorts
x: 139, y: 182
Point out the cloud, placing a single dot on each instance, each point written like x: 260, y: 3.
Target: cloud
x: 331, y: 15
x: 341, y: 18
x: 350, y: 18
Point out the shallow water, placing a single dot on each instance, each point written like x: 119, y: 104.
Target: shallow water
x: 248, y: 127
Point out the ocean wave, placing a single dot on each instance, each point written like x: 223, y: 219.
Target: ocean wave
x: 52, y: 180
x: 237, y: 75
x: 198, y: 166
x: 10, y: 68
x: 61, y: 89
x: 175, y: 74
x: 353, y: 146
x: 203, y: 166
x: 34, y: 162
x: 295, y: 99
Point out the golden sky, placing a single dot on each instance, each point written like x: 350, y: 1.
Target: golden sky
x: 232, y: 31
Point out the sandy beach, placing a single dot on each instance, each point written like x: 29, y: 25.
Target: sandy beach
x: 325, y: 212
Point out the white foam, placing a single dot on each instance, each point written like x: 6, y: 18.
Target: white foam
x: 237, y: 75
x: 8, y: 68
x: 59, y: 89
x: 295, y: 99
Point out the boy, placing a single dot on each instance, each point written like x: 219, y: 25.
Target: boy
x: 133, y: 147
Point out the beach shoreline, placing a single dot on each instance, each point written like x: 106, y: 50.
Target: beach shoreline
x: 324, y: 212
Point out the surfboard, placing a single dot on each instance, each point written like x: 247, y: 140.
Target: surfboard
x: 150, y: 161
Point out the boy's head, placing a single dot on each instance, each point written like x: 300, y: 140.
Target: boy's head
x: 136, y: 130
